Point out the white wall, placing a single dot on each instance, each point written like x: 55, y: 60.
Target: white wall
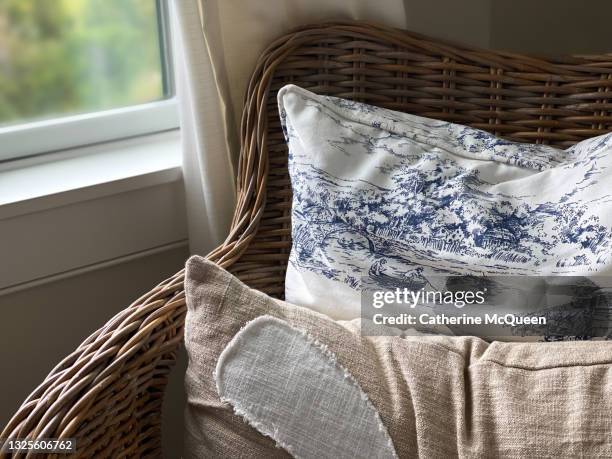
x: 545, y: 27
x: 552, y: 27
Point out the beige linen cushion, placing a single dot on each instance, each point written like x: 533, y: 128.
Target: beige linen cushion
x: 435, y: 397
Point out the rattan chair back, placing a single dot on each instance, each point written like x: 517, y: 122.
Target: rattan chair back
x: 555, y: 101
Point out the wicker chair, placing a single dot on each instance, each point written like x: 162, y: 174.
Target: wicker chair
x: 108, y: 393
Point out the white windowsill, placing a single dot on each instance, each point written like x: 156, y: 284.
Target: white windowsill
x: 75, y: 211
x: 58, y: 179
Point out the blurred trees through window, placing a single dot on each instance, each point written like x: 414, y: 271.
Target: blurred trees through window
x: 60, y: 57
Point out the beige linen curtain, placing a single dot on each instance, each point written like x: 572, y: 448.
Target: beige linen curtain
x: 216, y: 45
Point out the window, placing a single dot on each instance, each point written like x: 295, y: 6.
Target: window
x: 78, y: 72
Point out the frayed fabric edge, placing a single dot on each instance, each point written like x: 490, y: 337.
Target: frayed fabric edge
x: 232, y: 347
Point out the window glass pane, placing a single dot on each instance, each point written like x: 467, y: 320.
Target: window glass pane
x: 60, y: 57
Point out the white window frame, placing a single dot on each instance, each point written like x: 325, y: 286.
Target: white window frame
x: 68, y: 132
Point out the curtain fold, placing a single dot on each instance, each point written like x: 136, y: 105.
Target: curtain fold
x: 217, y: 43
x: 208, y: 167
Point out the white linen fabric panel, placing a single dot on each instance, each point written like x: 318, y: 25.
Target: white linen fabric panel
x: 208, y: 167
x: 385, y: 196
x: 217, y: 43
x: 292, y: 389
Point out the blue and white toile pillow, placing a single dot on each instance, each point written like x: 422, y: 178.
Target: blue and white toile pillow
x: 382, y: 194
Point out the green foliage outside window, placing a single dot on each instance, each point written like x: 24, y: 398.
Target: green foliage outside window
x: 73, y: 56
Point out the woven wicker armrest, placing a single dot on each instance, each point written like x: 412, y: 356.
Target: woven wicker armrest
x: 108, y: 393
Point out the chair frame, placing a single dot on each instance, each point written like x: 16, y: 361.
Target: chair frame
x: 108, y: 393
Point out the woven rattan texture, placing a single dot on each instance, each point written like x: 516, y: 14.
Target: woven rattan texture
x: 108, y: 393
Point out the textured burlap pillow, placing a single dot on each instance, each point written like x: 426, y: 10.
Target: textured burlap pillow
x: 269, y: 379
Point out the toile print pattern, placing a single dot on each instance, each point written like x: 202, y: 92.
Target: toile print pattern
x: 432, y: 201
